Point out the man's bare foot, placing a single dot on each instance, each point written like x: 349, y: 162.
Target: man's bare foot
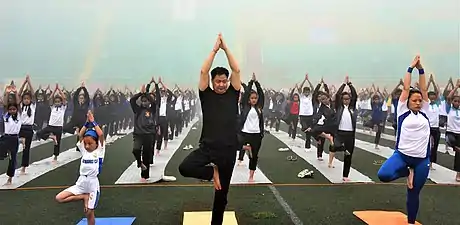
x: 143, y: 180
x: 54, y: 160
x: 158, y: 152
x: 410, y: 179
x: 240, y: 162
x: 23, y: 171
x: 166, y: 145
x: 216, y: 179
x: 346, y: 179
x: 85, y: 202
x: 330, y: 166
x: 251, y: 180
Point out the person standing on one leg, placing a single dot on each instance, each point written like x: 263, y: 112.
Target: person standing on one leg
x: 162, y: 134
x: 144, y: 128
x: 216, y: 155
x: 27, y: 113
x: 433, y: 115
x: 9, y: 141
x: 346, y: 117
x: 306, y: 109
x: 56, y: 121
x: 87, y: 189
x: 453, y: 127
x: 411, y: 157
x: 252, y: 124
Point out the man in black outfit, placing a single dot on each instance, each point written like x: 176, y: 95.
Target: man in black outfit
x: 216, y: 155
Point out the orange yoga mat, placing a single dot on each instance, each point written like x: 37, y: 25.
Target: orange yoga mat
x: 382, y: 217
x: 203, y: 218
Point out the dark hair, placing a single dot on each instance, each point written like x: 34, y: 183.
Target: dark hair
x: 431, y: 93
x: 411, y: 92
x: 15, y: 117
x: 345, y: 93
x: 305, y: 89
x: 57, y: 97
x: 219, y: 71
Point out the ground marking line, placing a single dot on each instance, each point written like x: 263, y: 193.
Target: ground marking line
x: 236, y: 185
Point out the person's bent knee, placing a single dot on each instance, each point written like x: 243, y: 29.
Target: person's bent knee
x: 184, y: 169
x: 384, y: 176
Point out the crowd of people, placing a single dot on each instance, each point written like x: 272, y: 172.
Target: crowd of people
x: 235, y: 117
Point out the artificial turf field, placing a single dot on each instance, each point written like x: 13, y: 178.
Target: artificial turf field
x: 314, y: 201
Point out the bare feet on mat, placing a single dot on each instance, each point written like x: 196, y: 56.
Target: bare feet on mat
x: 143, y: 180
x: 410, y: 179
x: 216, y: 179
x: 251, y: 180
x: 346, y: 179
x: 23, y: 171
x: 330, y: 166
x: 54, y: 160
x: 8, y: 182
x: 240, y: 163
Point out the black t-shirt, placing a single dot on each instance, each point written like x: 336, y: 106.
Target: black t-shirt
x: 220, y: 112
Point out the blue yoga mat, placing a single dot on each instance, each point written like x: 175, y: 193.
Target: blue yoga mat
x: 110, y: 221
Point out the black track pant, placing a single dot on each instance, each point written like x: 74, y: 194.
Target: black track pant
x: 255, y: 141
x: 196, y: 165
x: 56, y: 131
x: 142, y: 151
x: 435, y: 134
x: 306, y: 122
x: 163, y: 135
x: 27, y: 132
x: 10, y: 144
x: 345, y: 141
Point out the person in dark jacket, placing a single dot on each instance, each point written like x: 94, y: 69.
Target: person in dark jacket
x: 252, y: 124
x: 346, y: 117
x: 145, y: 128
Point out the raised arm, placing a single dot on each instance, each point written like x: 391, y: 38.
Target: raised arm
x: 422, y: 80
x: 452, y: 93
x: 407, y: 80
x: 235, y: 77
x: 206, y: 67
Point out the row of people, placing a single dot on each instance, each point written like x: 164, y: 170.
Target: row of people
x: 27, y: 109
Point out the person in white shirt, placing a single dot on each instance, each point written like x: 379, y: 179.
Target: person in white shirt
x: 453, y: 127
x: 433, y: 114
x: 306, y: 110
x: 56, y: 121
x: 411, y: 157
x: 346, y: 117
x: 9, y: 141
x: 162, y: 133
x: 252, y: 125
x: 27, y: 114
x: 92, y: 149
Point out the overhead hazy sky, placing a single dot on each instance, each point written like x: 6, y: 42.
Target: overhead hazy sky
x: 126, y: 42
